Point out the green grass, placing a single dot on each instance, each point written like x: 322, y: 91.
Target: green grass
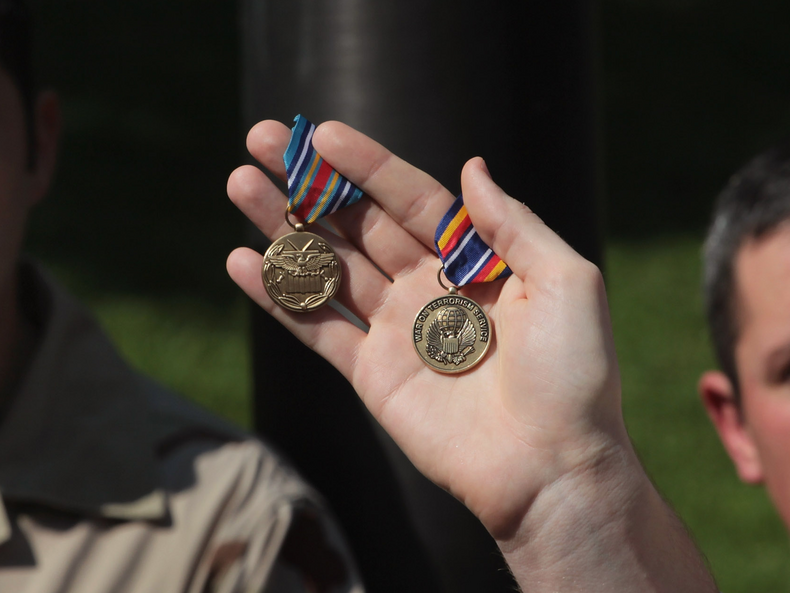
x: 201, y: 351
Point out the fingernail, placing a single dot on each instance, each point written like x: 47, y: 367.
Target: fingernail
x: 485, y: 167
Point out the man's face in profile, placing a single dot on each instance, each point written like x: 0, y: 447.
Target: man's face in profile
x: 756, y: 431
x: 762, y: 355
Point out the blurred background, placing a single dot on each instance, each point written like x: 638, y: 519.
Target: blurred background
x: 138, y: 224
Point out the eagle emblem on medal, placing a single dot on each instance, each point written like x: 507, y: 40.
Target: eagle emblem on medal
x: 451, y: 334
x: 300, y: 272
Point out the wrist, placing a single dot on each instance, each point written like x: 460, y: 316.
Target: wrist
x: 604, y: 527
x: 595, y: 492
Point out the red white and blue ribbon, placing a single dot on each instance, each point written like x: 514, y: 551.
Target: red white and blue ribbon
x: 466, y: 258
x: 315, y: 189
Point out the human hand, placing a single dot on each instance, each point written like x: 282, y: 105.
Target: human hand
x: 543, y: 404
x: 532, y: 438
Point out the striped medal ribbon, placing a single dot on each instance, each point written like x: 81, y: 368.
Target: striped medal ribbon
x: 301, y: 271
x: 452, y: 333
x: 315, y: 189
x: 466, y: 258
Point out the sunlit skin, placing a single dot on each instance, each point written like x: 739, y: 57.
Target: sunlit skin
x: 532, y: 440
x: 757, y: 436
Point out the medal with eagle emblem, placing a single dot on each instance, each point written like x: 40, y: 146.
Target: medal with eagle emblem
x: 300, y: 271
x: 451, y: 333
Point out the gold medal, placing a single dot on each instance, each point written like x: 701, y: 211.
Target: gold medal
x: 451, y: 333
x: 300, y: 270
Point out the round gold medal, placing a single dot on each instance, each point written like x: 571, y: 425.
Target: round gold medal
x: 451, y: 333
x: 300, y: 271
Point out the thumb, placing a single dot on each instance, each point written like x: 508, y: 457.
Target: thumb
x: 511, y: 229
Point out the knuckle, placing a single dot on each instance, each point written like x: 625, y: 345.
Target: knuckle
x: 377, y: 165
x: 419, y: 204
x: 589, y: 273
x: 574, y: 275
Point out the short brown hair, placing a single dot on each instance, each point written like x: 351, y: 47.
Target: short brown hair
x: 754, y: 202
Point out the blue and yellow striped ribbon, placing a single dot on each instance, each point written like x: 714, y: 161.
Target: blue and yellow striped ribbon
x: 466, y: 258
x: 315, y: 189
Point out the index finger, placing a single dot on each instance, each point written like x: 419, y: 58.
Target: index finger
x: 411, y: 197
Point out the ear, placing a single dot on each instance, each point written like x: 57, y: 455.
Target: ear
x: 718, y: 397
x: 48, y: 124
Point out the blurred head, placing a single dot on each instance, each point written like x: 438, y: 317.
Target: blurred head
x: 16, y: 58
x: 747, y: 293
x: 29, y: 129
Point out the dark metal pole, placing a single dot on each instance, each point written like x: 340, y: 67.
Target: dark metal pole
x: 437, y: 82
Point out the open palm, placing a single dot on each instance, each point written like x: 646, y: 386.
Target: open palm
x: 544, y: 401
